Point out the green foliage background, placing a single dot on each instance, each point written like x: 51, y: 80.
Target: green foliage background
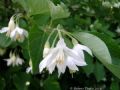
x: 94, y: 23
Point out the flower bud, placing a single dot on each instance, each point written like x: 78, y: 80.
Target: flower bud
x: 2, y: 51
x: 46, y: 49
x: 74, y: 41
x: 11, y: 24
x: 30, y: 63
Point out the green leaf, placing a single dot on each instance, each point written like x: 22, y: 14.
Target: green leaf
x: 115, y: 69
x: 33, y: 7
x: 99, y: 71
x: 4, y: 41
x: 89, y: 68
x: 114, y: 86
x: 41, y: 19
x: 97, y: 46
x: 113, y: 47
x: 59, y: 11
x: 37, y: 39
x: 99, y: 49
x: 20, y: 81
x: 51, y: 84
x: 115, y: 53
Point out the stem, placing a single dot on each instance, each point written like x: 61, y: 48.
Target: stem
x: 59, y: 33
x: 50, y: 23
x: 67, y: 33
x: 70, y: 35
x: 54, y: 41
x: 50, y: 34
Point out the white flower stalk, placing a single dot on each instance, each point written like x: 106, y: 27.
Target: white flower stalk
x: 46, y: 49
x: 10, y: 28
x: 18, y: 34
x: 14, y: 60
x: 61, y: 57
x: 29, y: 69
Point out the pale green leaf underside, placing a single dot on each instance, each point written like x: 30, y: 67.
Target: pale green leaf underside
x: 99, y: 49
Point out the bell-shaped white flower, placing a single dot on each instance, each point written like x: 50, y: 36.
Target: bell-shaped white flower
x: 18, y: 34
x: 14, y: 60
x: 78, y: 49
x: 10, y: 28
x: 29, y: 69
x: 60, y: 57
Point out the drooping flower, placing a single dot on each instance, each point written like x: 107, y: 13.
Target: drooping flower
x: 14, y: 31
x: 14, y: 60
x: 10, y: 28
x: 61, y: 57
x: 78, y: 49
x: 29, y: 69
x: 18, y: 34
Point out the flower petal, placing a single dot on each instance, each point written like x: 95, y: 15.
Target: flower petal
x: 9, y: 62
x: 72, y: 53
x: 19, y: 30
x: 3, y: 30
x: 80, y: 62
x: 79, y: 51
x: 13, y: 34
x: 25, y: 33
x: 71, y: 65
x: 84, y: 48
x: 46, y: 61
x: 61, y: 67
x: 29, y: 69
x: 51, y: 66
x: 19, y: 60
x: 61, y: 43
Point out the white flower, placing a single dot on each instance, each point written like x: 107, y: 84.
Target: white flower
x: 18, y: 34
x: 29, y: 69
x: 14, y: 60
x: 10, y: 28
x: 61, y: 57
x: 71, y: 62
x: 14, y: 31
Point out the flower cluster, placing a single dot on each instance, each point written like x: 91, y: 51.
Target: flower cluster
x: 62, y: 57
x: 14, y: 60
x: 59, y: 55
x: 14, y: 31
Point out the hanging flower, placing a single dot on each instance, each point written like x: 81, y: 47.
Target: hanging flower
x: 14, y: 31
x: 10, y: 28
x: 18, y: 34
x: 71, y: 62
x: 14, y: 60
x: 61, y: 57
